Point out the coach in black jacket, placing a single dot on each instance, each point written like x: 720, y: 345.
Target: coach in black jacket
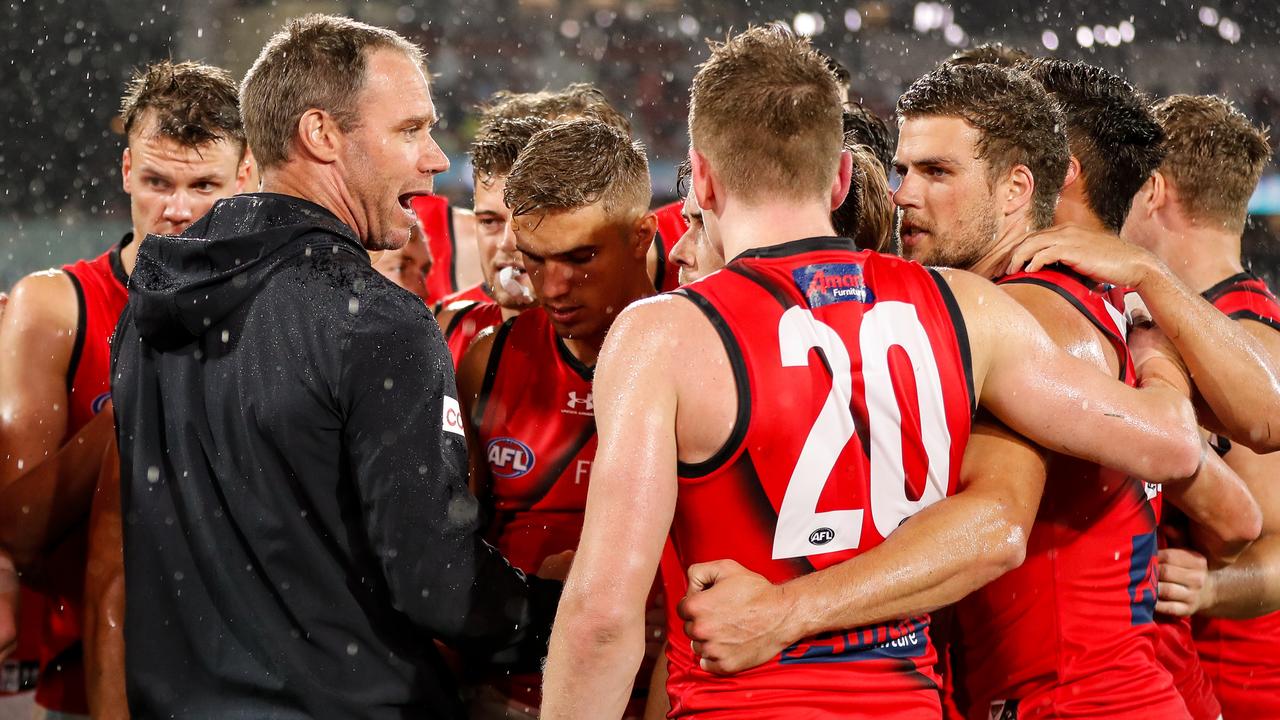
x: 297, y: 524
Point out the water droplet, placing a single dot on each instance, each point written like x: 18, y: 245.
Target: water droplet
x: 352, y: 648
x: 226, y: 336
x: 353, y: 306
x: 153, y: 474
x: 388, y: 383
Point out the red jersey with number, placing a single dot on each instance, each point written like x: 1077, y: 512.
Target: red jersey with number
x: 671, y: 227
x: 101, y: 294
x: 469, y: 319
x: 855, y: 398
x: 1069, y: 633
x: 1239, y: 656
x: 436, y: 218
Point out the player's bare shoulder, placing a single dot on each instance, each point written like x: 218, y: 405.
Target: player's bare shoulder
x: 46, y: 304
x: 1065, y: 324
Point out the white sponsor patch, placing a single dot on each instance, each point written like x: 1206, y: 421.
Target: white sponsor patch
x: 453, y: 417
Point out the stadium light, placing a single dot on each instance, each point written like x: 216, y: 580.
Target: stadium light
x: 1084, y: 36
x: 1049, y: 39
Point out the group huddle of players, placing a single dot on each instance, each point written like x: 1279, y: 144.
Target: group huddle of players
x: 874, y: 485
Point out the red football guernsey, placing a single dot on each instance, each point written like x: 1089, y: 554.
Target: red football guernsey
x: 1239, y: 656
x: 1069, y: 634
x: 436, y: 218
x: 467, y: 322
x: 476, y: 293
x: 855, y: 398
x: 101, y: 294
x: 671, y: 226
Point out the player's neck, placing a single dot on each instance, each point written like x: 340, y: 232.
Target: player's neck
x: 769, y: 224
x: 1202, y: 257
x: 1075, y: 212
x: 129, y: 253
x: 587, y: 349
x: 995, y: 261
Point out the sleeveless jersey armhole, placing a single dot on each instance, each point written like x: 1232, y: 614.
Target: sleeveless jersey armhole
x: 78, y: 349
x: 962, y: 337
x: 491, y: 370
x: 740, y: 381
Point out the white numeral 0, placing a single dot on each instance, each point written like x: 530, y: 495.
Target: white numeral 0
x: 801, y: 529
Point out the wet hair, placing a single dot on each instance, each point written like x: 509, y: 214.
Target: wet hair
x: 1110, y: 130
x: 316, y: 61
x: 684, y: 177
x: 1017, y: 121
x: 867, y: 213
x: 577, y: 163
x: 863, y: 127
x: 837, y: 68
x: 192, y: 104
x: 498, y: 144
x: 579, y: 100
x: 765, y: 111
x: 1214, y: 156
x: 994, y: 53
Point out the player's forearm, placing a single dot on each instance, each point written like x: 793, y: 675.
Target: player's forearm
x: 1222, y: 357
x: 1217, y: 500
x: 595, y: 651
x: 1250, y: 587
x: 938, y: 557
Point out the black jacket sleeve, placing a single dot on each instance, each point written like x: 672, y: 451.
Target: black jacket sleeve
x: 408, y: 457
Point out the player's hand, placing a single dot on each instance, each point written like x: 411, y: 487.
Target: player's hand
x: 1186, y: 585
x: 4, y: 300
x: 735, y: 618
x: 556, y: 567
x: 1099, y: 255
x: 1155, y: 357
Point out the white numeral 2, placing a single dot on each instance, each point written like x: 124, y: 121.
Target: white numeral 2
x: 801, y: 529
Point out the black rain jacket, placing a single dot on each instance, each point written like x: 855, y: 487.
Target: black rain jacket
x: 297, y: 523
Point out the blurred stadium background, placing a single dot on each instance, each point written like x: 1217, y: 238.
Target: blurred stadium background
x: 65, y: 63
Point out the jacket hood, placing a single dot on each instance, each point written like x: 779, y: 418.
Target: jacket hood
x: 185, y: 283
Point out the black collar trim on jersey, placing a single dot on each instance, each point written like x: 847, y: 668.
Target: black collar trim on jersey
x: 1219, y: 288
x: 796, y: 247
x: 113, y: 257
x: 579, y: 367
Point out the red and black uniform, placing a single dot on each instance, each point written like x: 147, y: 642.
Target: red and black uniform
x: 1069, y: 634
x: 1239, y: 656
x: 467, y: 322
x: 476, y: 293
x: 535, y: 418
x: 671, y: 227
x: 101, y: 294
x: 436, y: 217
x: 855, y: 398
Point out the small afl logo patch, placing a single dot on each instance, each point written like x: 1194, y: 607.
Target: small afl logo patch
x: 508, y: 457
x: 822, y: 536
x: 100, y: 402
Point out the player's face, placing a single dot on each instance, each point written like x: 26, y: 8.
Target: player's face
x: 390, y: 156
x: 408, y: 267
x: 580, y: 261
x: 695, y: 253
x: 170, y: 186
x: 946, y: 213
x: 500, y: 262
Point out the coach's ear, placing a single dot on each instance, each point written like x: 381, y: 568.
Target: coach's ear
x: 844, y: 180
x: 319, y: 136
x: 705, y: 187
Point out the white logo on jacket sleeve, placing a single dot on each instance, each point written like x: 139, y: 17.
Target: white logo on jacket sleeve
x: 453, y: 417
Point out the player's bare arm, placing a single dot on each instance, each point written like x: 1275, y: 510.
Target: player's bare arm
x: 740, y: 620
x: 597, y: 646
x: 1222, y: 354
x: 104, y: 596
x: 1032, y: 385
x: 471, y: 372
x: 39, y: 507
x: 37, y: 333
x: 1190, y: 583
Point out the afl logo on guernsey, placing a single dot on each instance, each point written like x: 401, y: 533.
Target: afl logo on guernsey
x: 822, y: 536
x: 832, y: 283
x: 508, y: 457
x: 100, y: 402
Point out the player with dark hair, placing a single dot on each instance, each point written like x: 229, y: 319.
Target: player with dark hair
x: 185, y: 150
x: 864, y: 127
x: 507, y: 290
x: 719, y: 422
x: 993, y: 53
x: 579, y: 195
x: 1184, y: 262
